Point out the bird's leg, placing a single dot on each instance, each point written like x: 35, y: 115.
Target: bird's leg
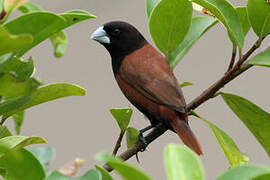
x: 142, y: 138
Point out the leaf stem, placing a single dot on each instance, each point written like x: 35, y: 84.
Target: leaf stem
x: 234, y: 50
x: 118, y: 142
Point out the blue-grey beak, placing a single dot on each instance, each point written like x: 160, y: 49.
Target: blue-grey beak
x: 100, y: 36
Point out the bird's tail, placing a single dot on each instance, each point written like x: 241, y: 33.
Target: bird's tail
x: 183, y: 130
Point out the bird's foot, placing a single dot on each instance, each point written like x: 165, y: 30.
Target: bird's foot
x: 144, y: 142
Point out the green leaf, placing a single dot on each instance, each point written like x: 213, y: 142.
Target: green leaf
x: 132, y: 136
x: 104, y: 173
x: 122, y: 116
x: 24, y: 167
x: 89, y: 175
x: 13, y: 43
x: 242, y: 14
x: 169, y: 23
x: 199, y: 25
x: 127, y: 171
x: 18, y: 121
x: 29, y: 7
x: 18, y: 142
x: 4, y: 132
x: 256, y: 119
x: 13, y: 105
x: 44, y: 154
x: 259, y: 16
x: 230, y: 149
x: 262, y: 177
x: 11, y: 86
x: 227, y: 15
x: 42, y: 25
x: 184, y: 84
x: 261, y: 59
x: 243, y: 172
x: 59, y: 41
x: 150, y: 4
x: 11, y: 5
x: 182, y: 163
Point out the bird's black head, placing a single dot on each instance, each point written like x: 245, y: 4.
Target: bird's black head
x: 119, y: 38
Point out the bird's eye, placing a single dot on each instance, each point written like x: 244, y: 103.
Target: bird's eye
x: 115, y: 32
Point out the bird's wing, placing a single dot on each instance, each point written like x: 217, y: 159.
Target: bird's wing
x: 151, y: 75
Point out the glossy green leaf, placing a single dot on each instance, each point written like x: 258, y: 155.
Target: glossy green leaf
x: 199, y: 25
x: 24, y: 167
x: 12, y: 43
x: 122, y: 116
x: 11, y: 106
x: 230, y: 149
x: 89, y: 175
x: 184, y: 84
x: 132, y: 136
x: 18, y: 121
x: 4, y: 132
x: 262, y: 177
x: 59, y: 41
x: 242, y: 14
x: 150, y: 4
x: 259, y: 16
x: 246, y: 172
x: 169, y: 23
x: 182, y: 163
x: 18, y: 142
x: 227, y: 15
x: 29, y: 7
x: 11, y: 86
x: 256, y: 119
x: 127, y: 171
x: 104, y: 173
x: 261, y: 59
x: 44, y: 154
x: 42, y: 25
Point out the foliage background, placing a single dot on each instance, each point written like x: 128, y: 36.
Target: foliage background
x: 83, y: 126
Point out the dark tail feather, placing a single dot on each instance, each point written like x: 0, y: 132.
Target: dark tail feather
x: 184, y: 132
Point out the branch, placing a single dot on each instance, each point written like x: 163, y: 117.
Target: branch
x: 209, y: 93
x: 118, y: 142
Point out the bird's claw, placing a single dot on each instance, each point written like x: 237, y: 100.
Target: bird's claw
x: 144, y: 142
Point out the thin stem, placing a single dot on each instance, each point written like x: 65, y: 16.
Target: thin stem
x: 118, y: 142
x: 233, y: 57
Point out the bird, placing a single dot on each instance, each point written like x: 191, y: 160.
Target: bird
x: 146, y: 79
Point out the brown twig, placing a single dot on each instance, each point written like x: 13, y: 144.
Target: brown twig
x: 118, y: 142
x: 233, y: 58
x: 209, y: 93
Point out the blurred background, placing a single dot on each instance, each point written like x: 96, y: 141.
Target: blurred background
x: 83, y: 126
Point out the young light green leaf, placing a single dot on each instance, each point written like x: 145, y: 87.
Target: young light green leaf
x: 89, y: 175
x: 4, y: 132
x: 182, y: 163
x: 11, y: 5
x: 169, y: 23
x: 44, y: 154
x: 132, y: 136
x: 104, y: 173
x: 42, y: 25
x: 12, y: 43
x: 18, y: 121
x: 243, y: 16
x: 11, y: 86
x: 122, y: 116
x: 29, y: 7
x: 127, y: 171
x: 59, y: 41
x: 230, y: 149
x: 18, y: 142
x: 259, y: 16
x: 26, y: 162
x: 184, y: 84
x: 227, y: 15
x: 150, y: 5
x: 199, y: 25
x: 261, y: 59
x: 256, y: 119
x: 243, y: 172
